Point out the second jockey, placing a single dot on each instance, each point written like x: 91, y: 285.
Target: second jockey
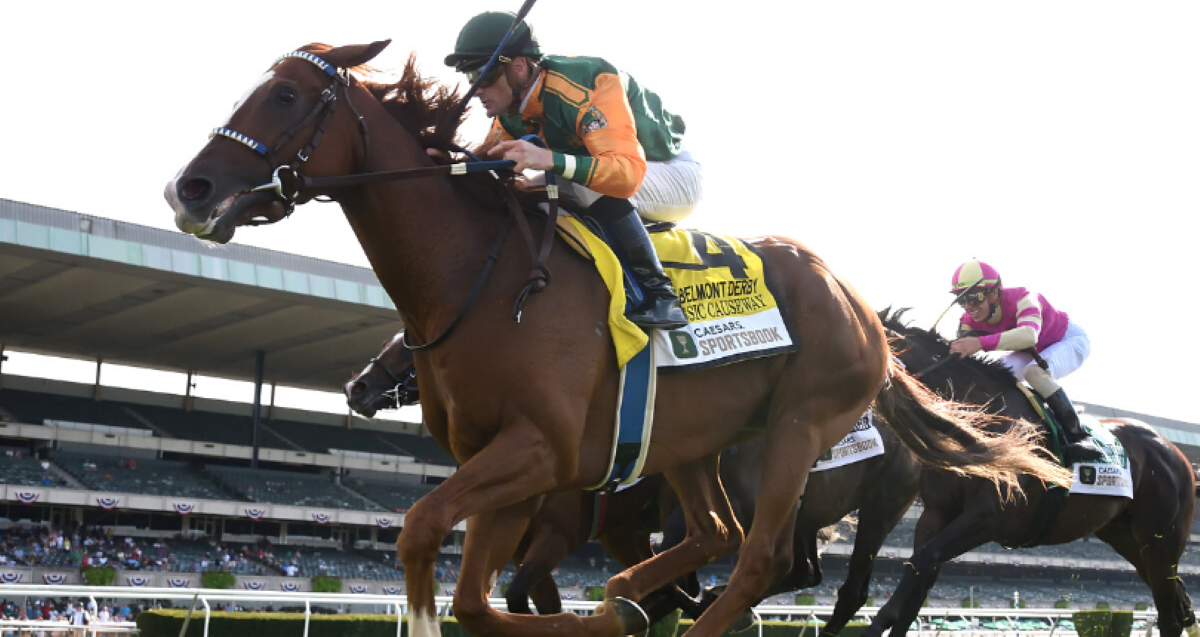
x: 1018, y: 320
x: 619, y: 151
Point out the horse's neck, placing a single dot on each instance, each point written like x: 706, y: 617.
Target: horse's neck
x: 423, y: 239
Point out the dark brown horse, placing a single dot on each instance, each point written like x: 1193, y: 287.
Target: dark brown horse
x: 527, y: 408
x: 389, y: 381
x: 960, y: 514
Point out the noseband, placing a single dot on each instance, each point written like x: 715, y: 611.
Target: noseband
x: 290, y: 172
x: 405, y: 391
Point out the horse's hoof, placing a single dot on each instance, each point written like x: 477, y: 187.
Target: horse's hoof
x: 631, y: 616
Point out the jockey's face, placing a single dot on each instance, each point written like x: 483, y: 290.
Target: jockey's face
x: 981, y: 309
x: 497, y: 97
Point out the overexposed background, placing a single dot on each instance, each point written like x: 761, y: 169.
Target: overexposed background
x: 1059, y: 141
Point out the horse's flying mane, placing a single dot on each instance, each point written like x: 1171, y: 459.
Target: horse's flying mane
x: 893, y: 319
x: 424, y: 106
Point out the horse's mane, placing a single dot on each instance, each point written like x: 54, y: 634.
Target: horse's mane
x: 893, y: 319
x: 428, y: 109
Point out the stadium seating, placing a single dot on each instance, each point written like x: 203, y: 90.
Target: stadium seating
x: 35, y: 408
x: 207, y: 426
x: 337, y: 563
x: 392, y: 496
x: 26, y: 472
x: 152, y: 477
x: 287, y: 487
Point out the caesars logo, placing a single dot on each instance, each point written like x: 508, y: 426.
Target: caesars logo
x: 683, y: 345
x: 1087, y: 474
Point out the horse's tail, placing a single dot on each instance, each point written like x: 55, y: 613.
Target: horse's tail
x: 950, y: 435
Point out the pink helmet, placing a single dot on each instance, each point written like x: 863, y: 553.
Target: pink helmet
x: 974, y: 273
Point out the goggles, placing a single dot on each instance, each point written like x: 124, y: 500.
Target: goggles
x: 493, y: 73
x: 973, y: 298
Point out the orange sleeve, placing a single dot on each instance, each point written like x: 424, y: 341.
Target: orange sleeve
x: 619, y: 161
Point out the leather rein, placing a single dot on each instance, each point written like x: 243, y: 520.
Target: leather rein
x: 287, y: 184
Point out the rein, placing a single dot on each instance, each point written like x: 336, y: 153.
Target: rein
x: 288, y: 193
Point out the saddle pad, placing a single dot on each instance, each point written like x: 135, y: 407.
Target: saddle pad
x: 861, y: 443
x: 1110, y: 476
x: 722, y: 285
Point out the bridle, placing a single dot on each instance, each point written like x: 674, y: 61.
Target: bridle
x: 339, y: 81
x: 405, y: 391
x: 289, y: 192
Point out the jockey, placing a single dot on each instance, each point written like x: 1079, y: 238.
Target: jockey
x: 1020, y: 321
x: 610, y: 139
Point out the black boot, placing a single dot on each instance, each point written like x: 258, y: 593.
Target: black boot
x: 660, y: 310
x: 1080, y: 447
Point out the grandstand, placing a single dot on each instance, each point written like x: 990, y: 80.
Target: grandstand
x: 172, y: 484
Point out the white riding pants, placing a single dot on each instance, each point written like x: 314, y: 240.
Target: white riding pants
x: 669, y: 191
x: 1063, y: 357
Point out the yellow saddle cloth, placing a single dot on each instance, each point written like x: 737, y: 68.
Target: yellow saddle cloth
x: 722, y: 286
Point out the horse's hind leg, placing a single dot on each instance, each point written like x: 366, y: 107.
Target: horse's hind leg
x: 767, y: 554
x: 1153, y: 538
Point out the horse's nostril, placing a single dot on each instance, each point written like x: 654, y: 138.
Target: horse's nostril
x: 194, y: 189
x: 357, y: 388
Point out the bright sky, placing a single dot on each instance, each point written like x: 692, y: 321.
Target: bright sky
x: 1059, y: 141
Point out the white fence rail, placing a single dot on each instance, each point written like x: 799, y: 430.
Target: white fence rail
x: 203, y: 598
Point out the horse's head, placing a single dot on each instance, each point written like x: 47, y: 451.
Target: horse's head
x: 245, y: 174
x: 389, y: 381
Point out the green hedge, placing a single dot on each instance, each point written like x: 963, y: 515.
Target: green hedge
x: 1141, y: 606
x: 326, y: 584
x: 218, y: 579
x: 1062, y: 603
x: 167, y: 623
x: 1122, y: 623
x: 967, y: 602
x: 1092, y: 623
x: 667, y: 626
x: 594, y: 594
x: 100, y: 576
x: 787, y: 629
x: 1021, y: 604
x: 1103, y: 606
x: 805, y: 599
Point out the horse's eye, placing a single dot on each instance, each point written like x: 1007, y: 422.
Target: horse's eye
x: 286, y: 96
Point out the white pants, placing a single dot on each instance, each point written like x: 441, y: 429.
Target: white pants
x: 1063, y: 357
x: 669, y: 191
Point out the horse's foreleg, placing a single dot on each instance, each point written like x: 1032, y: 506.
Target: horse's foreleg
x: 549, y: 546
x: 712, y: 533
x: 490, y: 536
x: 972, y: 528
x: 517, y: 464
x: 876, y: 520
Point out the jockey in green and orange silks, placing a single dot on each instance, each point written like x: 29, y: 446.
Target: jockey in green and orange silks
x: 1017, y: 320
x: 611, y: 138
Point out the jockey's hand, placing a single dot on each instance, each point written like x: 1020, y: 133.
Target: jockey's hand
x: 525, y: 154
x: 966, y: 346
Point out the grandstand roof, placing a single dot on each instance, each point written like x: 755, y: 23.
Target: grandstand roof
x: 80, y: 286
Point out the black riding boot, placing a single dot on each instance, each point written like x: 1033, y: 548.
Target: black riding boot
x: 660, y: 310
x: 1079, y: 445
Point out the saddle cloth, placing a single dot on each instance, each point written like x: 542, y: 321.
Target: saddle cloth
x: 722, y: 287
x: 1108, y: 476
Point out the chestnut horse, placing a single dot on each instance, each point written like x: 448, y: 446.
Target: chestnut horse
x: 1150, y: 530
x: 879, y: 488
x: 527, y: 407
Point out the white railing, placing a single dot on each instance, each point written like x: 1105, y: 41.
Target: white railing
x: 397, y: 604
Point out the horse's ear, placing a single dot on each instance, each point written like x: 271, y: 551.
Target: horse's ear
x: 350, y: 56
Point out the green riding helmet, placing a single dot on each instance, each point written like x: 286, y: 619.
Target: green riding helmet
x: 482, y: 34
